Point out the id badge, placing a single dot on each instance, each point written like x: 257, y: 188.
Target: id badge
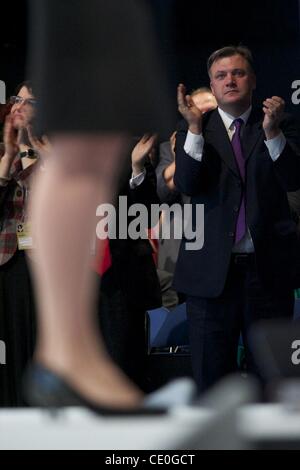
x: 24, y: 236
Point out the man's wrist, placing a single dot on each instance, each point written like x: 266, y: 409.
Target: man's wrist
x: 272, y: 133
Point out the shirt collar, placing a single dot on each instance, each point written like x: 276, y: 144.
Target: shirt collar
x: 228, y: 118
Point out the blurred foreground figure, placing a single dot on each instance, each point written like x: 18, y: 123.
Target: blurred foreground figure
x: 90, y: 62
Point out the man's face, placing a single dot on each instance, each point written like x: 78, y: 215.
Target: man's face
x: 232, y: 83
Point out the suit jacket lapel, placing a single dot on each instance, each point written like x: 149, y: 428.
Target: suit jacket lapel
x: 216, y: 135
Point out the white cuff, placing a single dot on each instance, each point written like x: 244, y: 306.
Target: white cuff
x: 135, y: 181
x: 193, y: 146
x: 276, y: 146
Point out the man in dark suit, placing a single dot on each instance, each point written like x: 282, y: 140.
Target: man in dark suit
x: 239, y: 162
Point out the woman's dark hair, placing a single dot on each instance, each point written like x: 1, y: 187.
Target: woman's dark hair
x: 27, y: 84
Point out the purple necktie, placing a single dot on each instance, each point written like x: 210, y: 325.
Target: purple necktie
x: 238, y: 152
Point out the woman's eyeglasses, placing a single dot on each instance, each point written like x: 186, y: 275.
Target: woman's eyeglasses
x: 20, y: 100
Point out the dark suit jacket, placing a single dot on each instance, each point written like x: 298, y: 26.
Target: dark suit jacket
x: 216, y: 183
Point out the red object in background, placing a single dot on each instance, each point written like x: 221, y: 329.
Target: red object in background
x: 102, y: 259
x: 100, y: 263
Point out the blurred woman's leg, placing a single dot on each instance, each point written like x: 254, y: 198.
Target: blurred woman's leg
x: 80, y: 175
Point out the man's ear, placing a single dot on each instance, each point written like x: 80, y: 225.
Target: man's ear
x: 212, y: 89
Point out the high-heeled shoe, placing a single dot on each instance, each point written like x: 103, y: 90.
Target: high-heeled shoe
x: 45, y: 388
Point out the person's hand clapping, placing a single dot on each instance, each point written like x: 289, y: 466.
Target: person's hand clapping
x: 273, y: 109
x: 189, y: 110
x: 140, y: 152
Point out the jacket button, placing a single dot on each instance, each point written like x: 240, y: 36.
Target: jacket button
x: 19, y: 193
x: 231, y: 234
x: 236, y: 208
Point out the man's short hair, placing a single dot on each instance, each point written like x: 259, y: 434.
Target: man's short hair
x: 229, y: 51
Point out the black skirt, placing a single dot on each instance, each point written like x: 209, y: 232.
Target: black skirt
x: 17, y: 327
x: 95, y: 67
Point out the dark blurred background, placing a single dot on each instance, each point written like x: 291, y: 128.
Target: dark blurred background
x: 188, y: 32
